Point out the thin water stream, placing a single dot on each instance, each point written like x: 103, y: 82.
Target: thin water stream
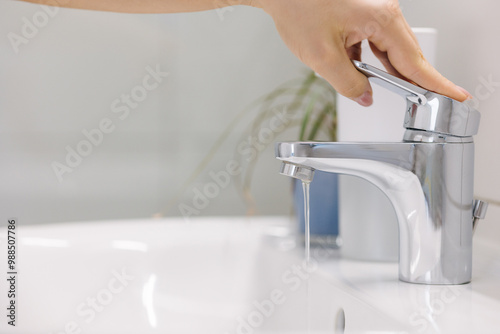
x: 307, y: 232
x: 307, y: 246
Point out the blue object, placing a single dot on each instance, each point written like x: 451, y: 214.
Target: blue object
x: 324, y: 204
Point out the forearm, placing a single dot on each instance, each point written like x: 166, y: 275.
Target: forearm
x: 144, y: 6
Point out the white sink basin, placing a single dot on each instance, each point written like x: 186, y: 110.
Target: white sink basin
x: 221, y: 276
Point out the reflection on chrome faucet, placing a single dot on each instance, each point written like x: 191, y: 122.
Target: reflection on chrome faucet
x: 428, y: 178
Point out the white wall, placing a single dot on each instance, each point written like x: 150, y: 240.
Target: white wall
x: 66, y: 77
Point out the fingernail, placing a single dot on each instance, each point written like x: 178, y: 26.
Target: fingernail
x: 365, y: 99
x: 463, y: 90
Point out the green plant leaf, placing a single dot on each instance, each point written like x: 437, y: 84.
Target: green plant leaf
x: 319, y: 121
x: 307, y: 116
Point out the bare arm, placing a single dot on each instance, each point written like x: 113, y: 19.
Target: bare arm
x: 324, y: 34
x: 143, y: 6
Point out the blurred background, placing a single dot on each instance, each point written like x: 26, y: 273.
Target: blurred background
x: 110, y: 116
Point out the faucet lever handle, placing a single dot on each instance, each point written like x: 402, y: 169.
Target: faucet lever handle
x: 426, y: 110
x: 399, y: 86
x: 478, y: 212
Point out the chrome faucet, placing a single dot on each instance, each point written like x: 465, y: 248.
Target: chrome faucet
x: 428, y: 178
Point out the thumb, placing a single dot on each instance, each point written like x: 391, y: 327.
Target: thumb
x: 336, y: 68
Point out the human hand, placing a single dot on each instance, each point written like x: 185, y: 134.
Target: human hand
x: 327, y: 34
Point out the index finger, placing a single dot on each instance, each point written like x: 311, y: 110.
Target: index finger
x: 401, y: 48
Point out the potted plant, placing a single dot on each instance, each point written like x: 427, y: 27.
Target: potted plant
x: 310, y: 104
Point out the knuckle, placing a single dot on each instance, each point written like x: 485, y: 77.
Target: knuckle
x: 393, y: 8
x: 417, y: 66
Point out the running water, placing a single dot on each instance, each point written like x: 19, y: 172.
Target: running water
x: 307, y: 232
x: 307, y: 246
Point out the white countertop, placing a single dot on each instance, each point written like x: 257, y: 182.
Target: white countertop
x: 218, y: 275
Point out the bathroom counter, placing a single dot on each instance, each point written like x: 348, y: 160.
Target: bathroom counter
x: 228, y: 275
x: 467, y: 308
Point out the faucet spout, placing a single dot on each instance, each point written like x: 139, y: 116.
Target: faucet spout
x: 430, y: 188
x: 305, y: 174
